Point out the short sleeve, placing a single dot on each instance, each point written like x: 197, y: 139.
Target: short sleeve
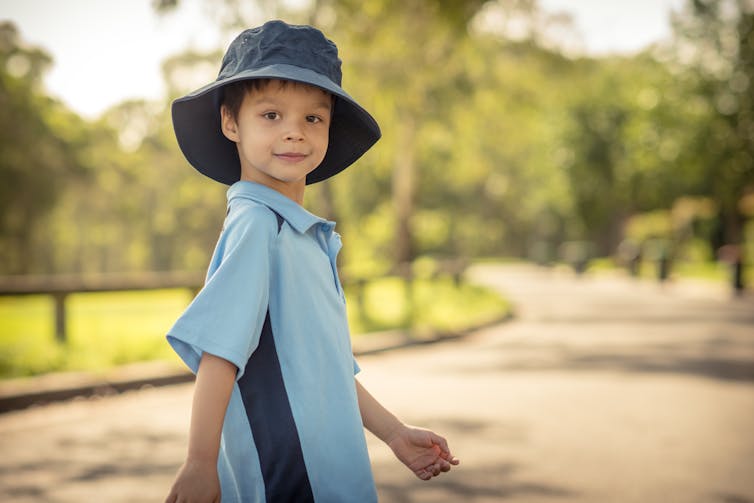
x: 226, y: 316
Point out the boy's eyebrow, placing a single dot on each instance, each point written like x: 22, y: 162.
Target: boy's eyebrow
x: 324, y: 104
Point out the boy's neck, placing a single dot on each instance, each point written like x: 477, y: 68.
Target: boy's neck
x: 293, y: 191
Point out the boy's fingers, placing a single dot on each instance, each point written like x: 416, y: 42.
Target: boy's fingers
x: 444, y: 449
x: 447, y: 456
x: 437, y: 439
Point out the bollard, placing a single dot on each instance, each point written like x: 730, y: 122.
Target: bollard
x: 663, y: 267
x: 733, y: 256
x: 738, y: 276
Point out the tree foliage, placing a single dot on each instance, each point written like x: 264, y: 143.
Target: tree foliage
x: 38, y: 151
x: 716, y: 44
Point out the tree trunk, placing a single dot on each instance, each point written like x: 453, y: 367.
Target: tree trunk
x: 403, y: 192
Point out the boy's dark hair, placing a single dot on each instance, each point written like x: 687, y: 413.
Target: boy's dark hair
x: 234, y: 93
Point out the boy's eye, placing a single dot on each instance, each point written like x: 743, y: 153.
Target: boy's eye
x: 271, y: 115
x: 313, y: 119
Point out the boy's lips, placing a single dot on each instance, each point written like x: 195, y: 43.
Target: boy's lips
x: 291, y: 156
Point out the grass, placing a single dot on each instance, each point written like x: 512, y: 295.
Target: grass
x: 109, y: 329
x: 104, y: 329
x: 715, y: 272
x: 711, y: 271
x: 429, y: 305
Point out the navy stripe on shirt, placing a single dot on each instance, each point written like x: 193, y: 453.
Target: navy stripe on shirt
x: 272, y: 425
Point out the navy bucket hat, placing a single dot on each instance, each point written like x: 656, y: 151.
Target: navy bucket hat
x: 275, y: 50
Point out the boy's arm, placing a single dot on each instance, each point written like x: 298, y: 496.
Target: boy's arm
x: 424, y: 452
x: 197, y: 480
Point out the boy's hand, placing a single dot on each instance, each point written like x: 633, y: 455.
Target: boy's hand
x: 196, y: 482
x: 422, y: 451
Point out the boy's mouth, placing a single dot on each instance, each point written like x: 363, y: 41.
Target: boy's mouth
x: 291, y: 156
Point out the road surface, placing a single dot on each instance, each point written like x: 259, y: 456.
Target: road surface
x: 602, y: 389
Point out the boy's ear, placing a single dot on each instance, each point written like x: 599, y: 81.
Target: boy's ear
x: 228, y: 124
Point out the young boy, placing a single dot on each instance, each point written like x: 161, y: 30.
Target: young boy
x: 277, y: 414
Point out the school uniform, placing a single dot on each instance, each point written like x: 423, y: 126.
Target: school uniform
x: 273, y: 305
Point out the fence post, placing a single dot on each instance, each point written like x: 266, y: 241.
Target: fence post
x: 60, y: 318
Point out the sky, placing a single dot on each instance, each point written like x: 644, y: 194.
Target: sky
x: 108, y: 51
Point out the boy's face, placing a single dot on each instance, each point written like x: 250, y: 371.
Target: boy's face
x: 281, y: 132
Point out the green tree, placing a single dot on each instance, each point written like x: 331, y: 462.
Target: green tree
x: 715, y: 40
x: 38, y: 152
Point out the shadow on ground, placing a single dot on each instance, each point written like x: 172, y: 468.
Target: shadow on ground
x: 123, y: 459
x: 709, y: 340
x: 478, y: 484
x: 651, y: 359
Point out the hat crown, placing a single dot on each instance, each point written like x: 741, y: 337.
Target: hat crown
x: 277, y: 42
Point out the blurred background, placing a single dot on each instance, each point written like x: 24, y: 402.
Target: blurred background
x: 596, y: 135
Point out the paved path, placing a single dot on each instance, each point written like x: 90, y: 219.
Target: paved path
x: 602, y: 390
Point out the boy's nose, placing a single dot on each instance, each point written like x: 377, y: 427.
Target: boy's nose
x: 294, y: 132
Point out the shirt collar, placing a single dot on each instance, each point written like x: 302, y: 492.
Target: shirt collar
x: 295, y: 214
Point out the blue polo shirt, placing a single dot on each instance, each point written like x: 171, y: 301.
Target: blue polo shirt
x: 273, y: 305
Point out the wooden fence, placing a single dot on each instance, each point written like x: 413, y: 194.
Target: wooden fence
x: 61, y: 286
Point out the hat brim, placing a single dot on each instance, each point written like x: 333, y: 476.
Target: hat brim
x: 196, y: 121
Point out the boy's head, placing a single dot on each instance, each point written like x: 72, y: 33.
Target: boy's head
x: 273, y: 57
x: 280, y: 127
